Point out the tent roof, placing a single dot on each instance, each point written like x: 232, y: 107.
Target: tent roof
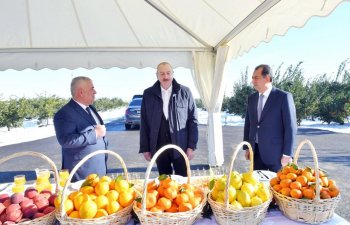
x: 134, y: 33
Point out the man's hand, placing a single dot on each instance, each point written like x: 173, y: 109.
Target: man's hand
x: 247, y: 154
x: 147, y: 156
x: 285, y: 160
x: 100, y: 131
x: 190, y: 153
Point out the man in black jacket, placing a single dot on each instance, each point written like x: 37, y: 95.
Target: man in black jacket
x: 168, y: 116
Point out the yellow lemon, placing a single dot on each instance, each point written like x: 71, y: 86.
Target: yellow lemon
x: 88, y: 208
x: 126, y: 198
x: 106, y: 178
x: 113, y: 207
x: 101, y: 213
x: 74, y: 194
x: 68, y: 206
x: 101, y: 201
x: 93, y: 196
x: 102, y: 188
x: 87, y: 189
x: 112, y: 195
x: 121, y: 185
x: 78, y: 200
x: 57, y: 201
x: 74, y: 214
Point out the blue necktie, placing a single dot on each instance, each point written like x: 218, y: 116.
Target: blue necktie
x: 260, y: 106
x: 90, y: 113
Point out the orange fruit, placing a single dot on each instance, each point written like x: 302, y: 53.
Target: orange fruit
x: 156, y: 208
x: 161, y: 191
x: 106, y: 178
x: 302, y: 180
x: 324, y: 194
x: 184, y: 207
x: 167, y: 182
x: 164, y: 203
x: 308, y: 175
x: 333, y: 191
x: 285, y: 191
x: 331, y: 182
x: 170, y: 193
x: 274, y: 181
x: 151, y: 201
x: 295, y: 185
x: 296, y: 193
x: 324, y: 181
x: 182, y: 198
x: 195, y: 201
x: 74, y: 214
x: 285, y: 183
x: 309, y: 193
x: 292, y: 176
x: 152, y: 185
x: 153, y: 192
x: 174, y: 208
x: 72, y: 195
x: 87, y: 189
x: 277, y: 187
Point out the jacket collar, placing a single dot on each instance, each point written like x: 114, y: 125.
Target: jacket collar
x: 157, y: 91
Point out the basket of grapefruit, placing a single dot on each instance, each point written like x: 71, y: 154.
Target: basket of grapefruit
x: 239, y: 198
x: 27, y: 204
x: 97, y: 200
x: 167, y: 200
x: 305, y: 194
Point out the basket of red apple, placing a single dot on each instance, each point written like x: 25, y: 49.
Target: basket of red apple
x: 305, y: 194
x: 23, y: 204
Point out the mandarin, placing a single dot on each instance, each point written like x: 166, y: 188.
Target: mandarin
x: 295, y: 185
x: 308, y: 193
x: 274, y: 181
x: 164, y: 203
x: 296, y: 193
x: 184, y: 207
x: 333, y: 191
x: 302, y: 180
x: 285, y: 183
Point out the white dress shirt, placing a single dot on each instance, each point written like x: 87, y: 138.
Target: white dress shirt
x: 92, y: 112
x: 166, y: 94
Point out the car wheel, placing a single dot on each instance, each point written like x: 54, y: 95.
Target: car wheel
x: 127, y: 126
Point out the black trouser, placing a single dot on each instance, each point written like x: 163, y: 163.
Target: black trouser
x: 260, y: 165
x: 166, y: 162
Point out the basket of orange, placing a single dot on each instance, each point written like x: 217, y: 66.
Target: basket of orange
x: 97, y: 200
x: 168, y: 201
x: 26, y: 204
x: 239, y: 198
x: 305, y: 194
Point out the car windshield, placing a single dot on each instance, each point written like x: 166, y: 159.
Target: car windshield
x: 136, y: 102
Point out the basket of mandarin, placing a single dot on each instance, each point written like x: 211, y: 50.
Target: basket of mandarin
x: 239, y: 198
x: 97, y: 200
x: 305, y: 194
x: 168, y: 201
x: 25, y: 204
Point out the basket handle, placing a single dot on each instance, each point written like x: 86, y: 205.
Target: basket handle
x: 38, y: 155
x: 74, y: 170
x: 251, y: 166
x: 314, y: 155
x: 150, y: 165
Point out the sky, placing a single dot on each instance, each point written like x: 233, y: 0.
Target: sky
x: 322, y: 44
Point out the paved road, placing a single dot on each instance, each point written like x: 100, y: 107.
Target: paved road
x: 332, y: 150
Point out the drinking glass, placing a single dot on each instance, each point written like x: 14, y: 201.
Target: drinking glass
x: 64, y: 174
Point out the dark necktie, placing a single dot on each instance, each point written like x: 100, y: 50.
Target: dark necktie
x: 90, y: 113
x: 260, y: 106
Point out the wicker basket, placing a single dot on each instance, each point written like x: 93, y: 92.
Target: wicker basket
x: 120, y: 217
x: 305, y: 210
x: 226, y: 214
x: 166, y: 218
x: 49, y: 218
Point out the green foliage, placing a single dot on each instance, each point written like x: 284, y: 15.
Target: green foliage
x: 237, y: 104
x: 104, y: 104
x: 12, y: 113
x: 199, y: 103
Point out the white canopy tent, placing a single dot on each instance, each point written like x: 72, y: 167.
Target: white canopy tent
x: 198, y: 34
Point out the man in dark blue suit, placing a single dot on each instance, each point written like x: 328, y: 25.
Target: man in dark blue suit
x: 80, y: 130
x: 270, y: 123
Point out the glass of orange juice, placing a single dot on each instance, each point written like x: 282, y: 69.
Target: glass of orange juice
x: 64, y: 174
x: 43, y: 180
x: 18, y: 183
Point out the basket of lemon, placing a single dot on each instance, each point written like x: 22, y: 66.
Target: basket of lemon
x: 98, y: 200
x: 239, y: 198
x: 305, y: 194
x: 29, y: 205
x: 169, y: 201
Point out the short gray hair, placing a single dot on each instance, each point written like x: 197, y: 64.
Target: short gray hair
x: 75, y: 83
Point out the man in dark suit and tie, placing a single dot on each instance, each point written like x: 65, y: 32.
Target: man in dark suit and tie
x: 270, y: 122
x: 80, y: 130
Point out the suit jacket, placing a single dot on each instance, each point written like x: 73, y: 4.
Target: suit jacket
x: 277, y: 126
x: 75, y: 133
x: 183, y: 122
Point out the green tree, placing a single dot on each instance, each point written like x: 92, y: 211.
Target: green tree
x: 12, y: 113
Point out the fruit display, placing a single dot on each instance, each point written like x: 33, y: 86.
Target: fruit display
x: 98, y: 197
x: 20, y: 207
x: 244, y: 190
x: 299, y: 183
x: 169, y: 196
